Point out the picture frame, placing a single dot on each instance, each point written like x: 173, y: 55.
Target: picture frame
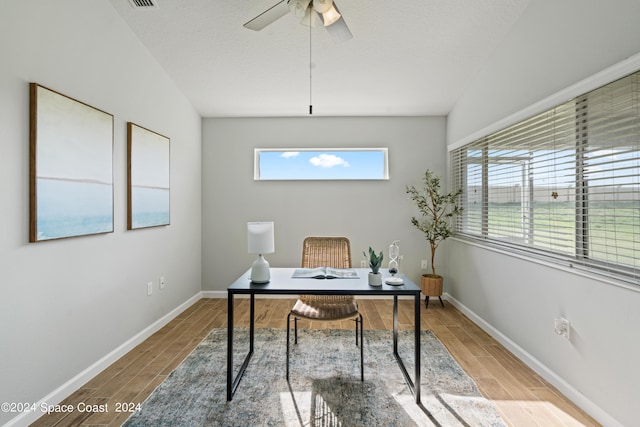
x: 148, y: 178
x: 71, y: 167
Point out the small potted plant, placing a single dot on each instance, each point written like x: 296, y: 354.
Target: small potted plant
x: 375, y: 261
x: 437, y: 210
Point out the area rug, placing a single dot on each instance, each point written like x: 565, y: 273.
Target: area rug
x: 324, y: 388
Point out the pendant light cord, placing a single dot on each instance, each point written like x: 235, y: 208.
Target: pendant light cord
x: 310, y: 57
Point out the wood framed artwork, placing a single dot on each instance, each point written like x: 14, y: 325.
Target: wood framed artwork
x: 71, y: 167
x: 148, y: 178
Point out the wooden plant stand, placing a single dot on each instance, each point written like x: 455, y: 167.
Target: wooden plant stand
x: 431, y: 287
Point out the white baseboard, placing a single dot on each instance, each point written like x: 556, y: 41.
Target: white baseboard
x: 62, y: 392
x: 213, y: 294
x: 558, y: 382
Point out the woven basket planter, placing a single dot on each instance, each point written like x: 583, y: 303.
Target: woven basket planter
x: 431, y: 285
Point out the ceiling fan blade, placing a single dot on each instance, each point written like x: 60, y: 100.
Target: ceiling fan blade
x: 269, y: 16
x: 339, y: 31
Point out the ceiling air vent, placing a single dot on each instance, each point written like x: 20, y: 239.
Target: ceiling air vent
x: 144, y: 4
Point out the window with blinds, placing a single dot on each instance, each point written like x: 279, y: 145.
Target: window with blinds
x: 564, y: 184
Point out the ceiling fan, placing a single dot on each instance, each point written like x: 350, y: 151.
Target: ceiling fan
x: 310, y: 12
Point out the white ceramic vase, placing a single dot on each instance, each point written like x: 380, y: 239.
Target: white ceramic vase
x: 375, y: 279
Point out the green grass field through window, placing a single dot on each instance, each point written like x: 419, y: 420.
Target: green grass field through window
x: 613, y: 233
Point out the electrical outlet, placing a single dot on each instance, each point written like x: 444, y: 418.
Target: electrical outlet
x: 563, y: 327
x: 363, y: 263
x: 149, y: 288
x: 423, y: 264
x: 161, y: 283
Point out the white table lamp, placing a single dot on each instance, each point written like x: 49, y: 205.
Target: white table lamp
x: 261, y: 241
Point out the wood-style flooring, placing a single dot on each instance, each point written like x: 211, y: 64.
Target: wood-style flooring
x: 521, y: 396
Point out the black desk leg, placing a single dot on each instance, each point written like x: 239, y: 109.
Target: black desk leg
x: 395, y: 325
x: 232, y: 383
x: 252, y: 315
x: 417, y: 346
x: 229, y: 346
x: 413, y: 386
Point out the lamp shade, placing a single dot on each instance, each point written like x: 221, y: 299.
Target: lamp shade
x: 260, y: 237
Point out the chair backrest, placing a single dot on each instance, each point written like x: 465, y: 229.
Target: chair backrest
x: 326, y: 252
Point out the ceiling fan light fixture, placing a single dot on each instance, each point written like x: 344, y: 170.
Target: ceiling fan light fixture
x: 311, y: 18
x: 299, y: 7
x: 330, y: 16
x: 321, y: 6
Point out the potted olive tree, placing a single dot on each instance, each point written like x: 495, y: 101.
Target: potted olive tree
x: 437, y: 209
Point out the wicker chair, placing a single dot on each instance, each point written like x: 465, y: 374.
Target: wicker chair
x: 326, y: 252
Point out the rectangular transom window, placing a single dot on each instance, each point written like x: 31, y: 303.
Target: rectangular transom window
x: 321, y: 164
x: 564, y: 184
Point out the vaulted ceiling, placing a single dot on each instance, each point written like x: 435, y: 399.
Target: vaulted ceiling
x: 406, y: 57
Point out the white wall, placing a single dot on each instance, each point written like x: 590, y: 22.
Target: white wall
x: 65, y: 304
x: 370, y: 213
x: 553, y: 46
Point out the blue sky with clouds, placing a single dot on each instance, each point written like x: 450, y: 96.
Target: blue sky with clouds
x: 363, y: 164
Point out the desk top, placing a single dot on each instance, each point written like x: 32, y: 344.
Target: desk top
x: 282, y: 283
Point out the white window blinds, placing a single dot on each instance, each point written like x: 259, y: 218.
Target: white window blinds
x: 563, y: 184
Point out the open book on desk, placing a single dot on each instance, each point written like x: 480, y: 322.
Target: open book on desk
x: 325, y: 273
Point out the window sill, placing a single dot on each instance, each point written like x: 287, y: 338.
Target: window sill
x: 555, y: 264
